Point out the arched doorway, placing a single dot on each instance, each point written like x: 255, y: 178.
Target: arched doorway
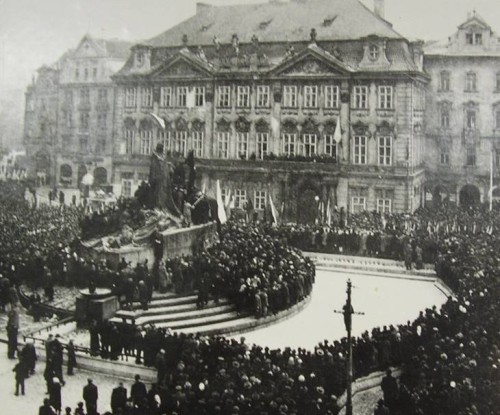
x: 42, y: 162
x: 100, y: 176
x: 82, y: 171
x: 65, y: 174
x: 307, y: 207
x: 469, y: 196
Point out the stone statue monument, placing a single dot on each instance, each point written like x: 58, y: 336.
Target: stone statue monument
x: 160, y: 181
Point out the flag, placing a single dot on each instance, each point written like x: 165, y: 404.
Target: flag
x: 337, y: 136
x: 274, y: 212
x: 220, y: 205
x: 159, y: 120
x: 328, y: 213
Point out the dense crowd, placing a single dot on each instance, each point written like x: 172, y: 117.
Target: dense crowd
x: 449, y: 356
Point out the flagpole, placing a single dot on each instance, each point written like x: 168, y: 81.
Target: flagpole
x: 491, y: 181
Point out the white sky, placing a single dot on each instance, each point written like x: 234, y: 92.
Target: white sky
x: 37, y: 32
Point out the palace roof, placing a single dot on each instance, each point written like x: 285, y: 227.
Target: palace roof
x: 278, y: 22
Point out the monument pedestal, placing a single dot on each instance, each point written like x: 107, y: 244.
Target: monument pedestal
x: 99, y: 305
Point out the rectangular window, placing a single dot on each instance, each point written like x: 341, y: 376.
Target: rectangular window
x: 262, y: 141
x: 385, y: 97
x: 84, y: 121
x: 290, y: 96
x: 444, y: 157
x: 444, y: 81
x: 385, y: 151
x: 260, y: 200
x: 182, y: 92
x: 165, y: 137
x: 384, y: 205
x: 223, y: 145
x: 199, y: 96
x: 84, y: 144
x: 242, y: 145
x: 470, y: 82
x: 243, y: 96
x: 497, y: 119
x: 181, y: 142
x: 240, y: 198
x: 146, y: 142
x: 126, y: 187
x: 360, y: 97
x: 101, y: 146
x: 497, y: 88
x: 129, y: 141
x: 471, y: 155
x: 102, y: 121
x: 310, y: 96
x: 478, y: 38
x: 85, y: 96
x: 289, y: 144
x: 198, y: 138
x: 445, y: 117
x: 166, y: 95
x: 358, y: 204
x: 331, y: 96
x: 310, y: 141
x: 224, y: 96
x: 68, y: 98
x: 359, y: 149
x: 130, y: 97
x: 262, y: 96
x: 77, y: 74
x: 471, y: 119
x: 330, y: 146
x: 103, y: 95
x: 94, y: 73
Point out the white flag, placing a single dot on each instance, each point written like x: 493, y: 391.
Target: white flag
x: 274, y: 212
x: 220, y: 205
x: 337, y: 136
x: 159, y: 120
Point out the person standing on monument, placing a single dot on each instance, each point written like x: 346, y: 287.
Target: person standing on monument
x: 160, y: 180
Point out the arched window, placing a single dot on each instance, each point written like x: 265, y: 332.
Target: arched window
x: 444, y: 81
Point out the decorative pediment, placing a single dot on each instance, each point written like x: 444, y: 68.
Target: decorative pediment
x: 181, y: 124
x: 312, y: 61
x: 181, y: 66
x: 223, y: 125
x: 360, y: 128
x: 198, y: 125
x: 330, y: 126
x: 384, y: 128
x: 310, y: 126
x: 289, y: 126
x: 129, y: 123
x: 146, y: 124
x: 262, y: 126
x: 88, y: 48
x: 242, y: 125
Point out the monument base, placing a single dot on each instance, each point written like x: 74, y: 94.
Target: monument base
x: 99, y: 306
x: 176, y: 242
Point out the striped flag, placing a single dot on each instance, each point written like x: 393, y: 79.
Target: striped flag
x: 159, y: 120
x: 220, y: 205
x: 328, y: 213
x: 337, y: 136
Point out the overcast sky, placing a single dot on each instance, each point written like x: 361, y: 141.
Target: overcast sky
x: 37, y: 32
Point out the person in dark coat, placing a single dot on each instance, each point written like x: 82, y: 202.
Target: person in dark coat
x: 90, y: 396
x: 138, y: 392
x: 55, y: 395
x: 21, y: 374
x: 390, y: 389
x: 381, y: 409
x: 29, y: 357
x: 118, y: 399
x: 12, y: 330
x: 46, y: 409
x: 71, y: 357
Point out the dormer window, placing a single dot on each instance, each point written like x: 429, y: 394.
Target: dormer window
x: 374, y: 52
x: 474, y: 38
x: 140, y: 58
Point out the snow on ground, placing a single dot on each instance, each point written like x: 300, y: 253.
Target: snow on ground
x: 383, y: 300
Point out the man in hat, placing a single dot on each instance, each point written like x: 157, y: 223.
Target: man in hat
x: 390, y: 389
x: 138, y: 392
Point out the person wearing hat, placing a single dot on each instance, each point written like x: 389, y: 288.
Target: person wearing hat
x: 21, y: 373
x: 55, y: 395
x: 118, y: 399
x: 90, y: 396
x: 46, y: 409
x: 390, y: 389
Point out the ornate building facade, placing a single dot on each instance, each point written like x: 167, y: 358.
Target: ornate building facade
x: 69, y: 113
x: 463, y: 113
x: 312, y: 103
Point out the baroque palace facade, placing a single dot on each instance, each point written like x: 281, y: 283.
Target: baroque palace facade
x: 463, y: 113
x: 257, y: 91
x: 69, y: 114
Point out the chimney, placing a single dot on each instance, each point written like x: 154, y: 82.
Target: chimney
x: 379, y: 8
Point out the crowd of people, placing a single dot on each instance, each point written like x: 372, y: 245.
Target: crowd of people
x: 449, y: 356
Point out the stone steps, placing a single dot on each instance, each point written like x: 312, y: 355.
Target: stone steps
x: 199, y: 321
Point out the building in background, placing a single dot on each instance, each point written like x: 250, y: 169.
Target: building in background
x: 315, y: 103
x: 463, y: 113
x: 69, y: 114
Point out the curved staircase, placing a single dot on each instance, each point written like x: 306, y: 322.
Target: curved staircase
x: 180, y: 313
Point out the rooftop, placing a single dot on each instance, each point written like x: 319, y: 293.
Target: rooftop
x: 277, y: 22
